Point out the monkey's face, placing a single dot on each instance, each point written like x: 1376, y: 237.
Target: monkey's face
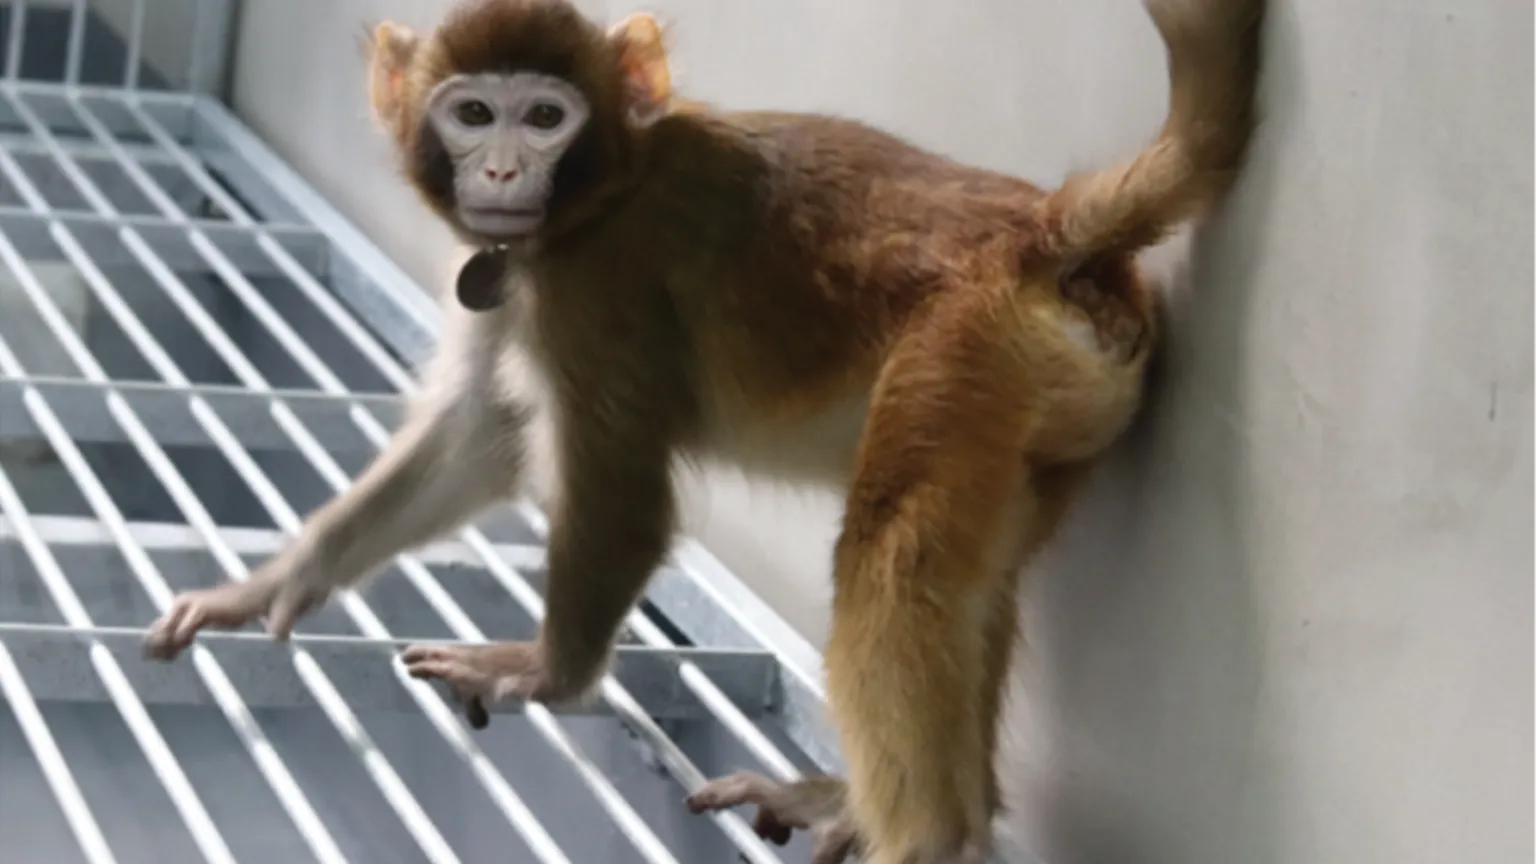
x: 502, y: 136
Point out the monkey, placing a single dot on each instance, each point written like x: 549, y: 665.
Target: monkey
x: 801, y: 295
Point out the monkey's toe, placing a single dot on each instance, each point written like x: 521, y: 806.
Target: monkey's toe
x: 476, y: 674
x: 723, y: 793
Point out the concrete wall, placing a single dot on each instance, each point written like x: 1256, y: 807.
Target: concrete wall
x: 1292, y: 623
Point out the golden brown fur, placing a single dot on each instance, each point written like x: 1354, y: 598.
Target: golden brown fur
x: 808, y: 297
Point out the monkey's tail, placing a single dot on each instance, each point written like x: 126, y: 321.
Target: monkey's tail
x: 1213, y: 68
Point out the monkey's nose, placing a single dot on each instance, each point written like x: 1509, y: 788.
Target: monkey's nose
x: 501, y: 176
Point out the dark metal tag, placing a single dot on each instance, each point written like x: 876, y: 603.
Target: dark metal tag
x: 482, y: 281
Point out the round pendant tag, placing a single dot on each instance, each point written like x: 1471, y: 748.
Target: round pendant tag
x: 482, y: 281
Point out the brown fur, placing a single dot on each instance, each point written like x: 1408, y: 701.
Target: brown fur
x: 807, y: 296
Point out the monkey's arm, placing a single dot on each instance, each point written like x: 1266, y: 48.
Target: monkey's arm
x: 456, y: 454
x: 609, y: 531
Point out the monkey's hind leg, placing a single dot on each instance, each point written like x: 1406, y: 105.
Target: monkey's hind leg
x: 932, y: 518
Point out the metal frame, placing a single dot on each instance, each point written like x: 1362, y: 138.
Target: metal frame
x: 174, y: 220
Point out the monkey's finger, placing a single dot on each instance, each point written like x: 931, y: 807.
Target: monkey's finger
x: 442, y: 670
x: 159, y: 643
x: 191, y: 618
x: 285, y: 610
x: 420, y: 653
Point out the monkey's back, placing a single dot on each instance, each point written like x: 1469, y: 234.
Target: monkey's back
x: 801, y: 245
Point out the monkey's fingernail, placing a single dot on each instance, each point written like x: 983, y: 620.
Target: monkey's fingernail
x: 479, y: 718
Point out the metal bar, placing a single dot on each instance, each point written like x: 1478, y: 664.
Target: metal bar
x: 78, y: 531
x: 22, y: 143
x: 392, y: 787
x: 30, y: 231
x: 212, y: 29
x: 55, y: 770
x: 169, y: 98
x: 204, y: 833
x: 143, y: 568
x: 372, y: 285
x: 17, y: 41
x: 169, y: 412
x: 327, y: 304
x: 701, y: 597
x: 135, y: 57
x: 218, y: 228
x: 617, y: 696
x: 646, y: 630
x: 357, y: 665
x: 76, y: 47
x: 394, y: 790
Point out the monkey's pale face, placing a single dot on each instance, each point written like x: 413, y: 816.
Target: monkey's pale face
x: 504, y: 135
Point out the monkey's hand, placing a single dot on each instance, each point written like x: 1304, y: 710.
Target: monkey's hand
x: 486, y: 673
x: 227, y: 606
x: 813, y: 804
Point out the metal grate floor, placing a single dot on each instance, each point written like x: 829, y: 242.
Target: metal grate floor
x: 195, y: 350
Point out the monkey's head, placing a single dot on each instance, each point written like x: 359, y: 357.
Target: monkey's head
x: 513, y: 112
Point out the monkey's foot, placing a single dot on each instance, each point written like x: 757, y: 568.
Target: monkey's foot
x: 813, y: 804
x: 481, y: 673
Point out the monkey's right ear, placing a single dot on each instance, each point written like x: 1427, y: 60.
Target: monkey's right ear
x: 393, y: 48
x: 643, y: 57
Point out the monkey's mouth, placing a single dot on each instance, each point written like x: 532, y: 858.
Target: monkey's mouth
x: 502, y: 221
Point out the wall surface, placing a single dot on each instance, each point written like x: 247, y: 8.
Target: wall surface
x: 1292, y: 624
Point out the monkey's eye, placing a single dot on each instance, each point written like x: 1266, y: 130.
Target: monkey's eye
x: 545, y: 115
x: 473, y: 112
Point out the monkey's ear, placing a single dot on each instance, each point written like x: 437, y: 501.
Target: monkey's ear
x: 643, y: 57
x: 394, y: 47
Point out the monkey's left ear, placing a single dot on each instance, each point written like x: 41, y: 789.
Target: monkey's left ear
x: 643, y: 57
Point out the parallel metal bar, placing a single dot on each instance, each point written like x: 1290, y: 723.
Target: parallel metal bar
x: 357, y: 664
x: 212, y: 26
x: 211, y: 226
x: 55, y: 770
x: 75, y: 50
x: 170, y: 98
x: 618, y: 698
x: 17, y: 41
x: 135, y: 56
x: 204, y: 833
x: 344, y: 321
x: 643, y: 627
x: 20, y: 143
x: 170, y: 414
x: 391, y: 785
x: 83, y: 532
x: 139, y: 562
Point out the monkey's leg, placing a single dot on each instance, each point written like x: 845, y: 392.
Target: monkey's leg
x: 818, y: 803
x: 609, y: 531
x: 1052, y: 491
x: 444, y: 465
x: 931, y: 526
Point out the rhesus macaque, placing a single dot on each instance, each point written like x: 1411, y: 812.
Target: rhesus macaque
x: 803, y: 296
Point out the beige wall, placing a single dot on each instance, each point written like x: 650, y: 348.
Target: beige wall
x: 1293, y: 623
